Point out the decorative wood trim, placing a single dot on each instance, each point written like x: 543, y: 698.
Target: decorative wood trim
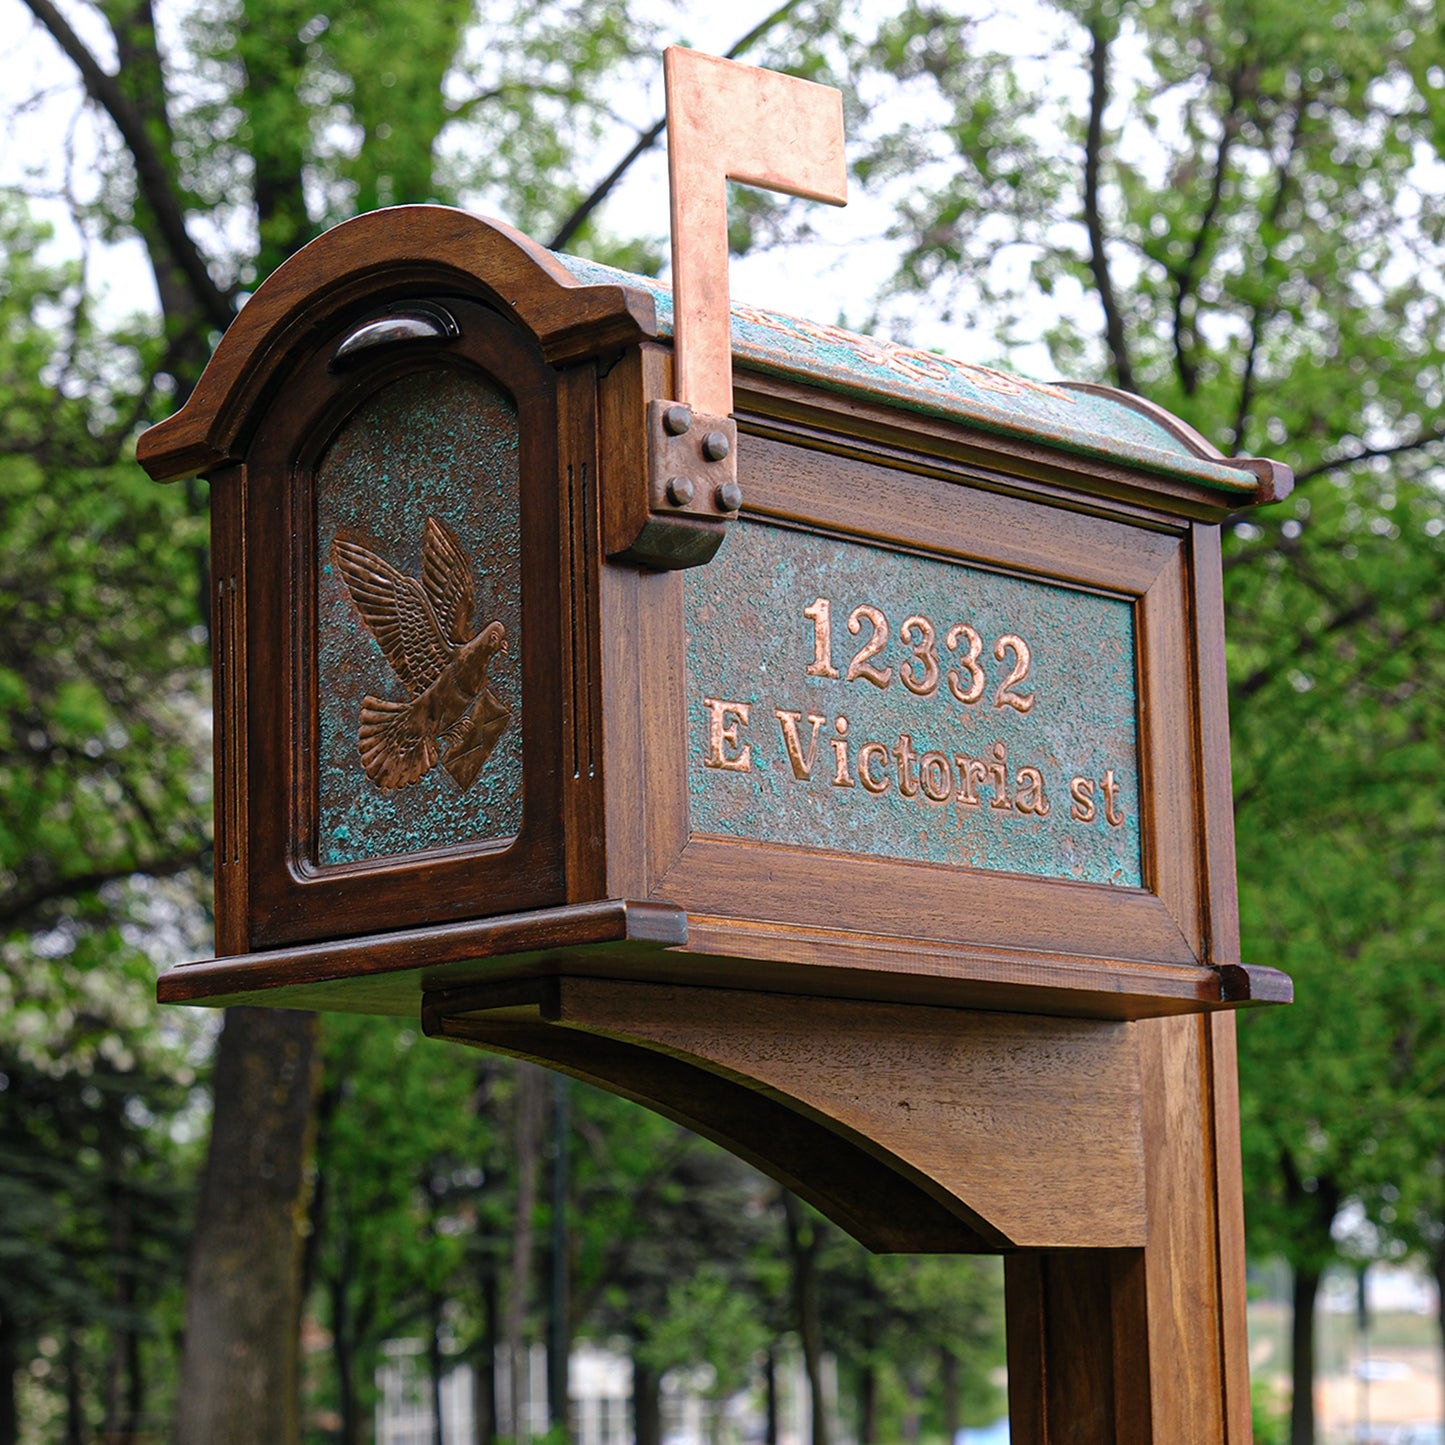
x: 291, y: 897
x: 229, y: 630
x: 1211, y: 714
x: 402, y: 252
x: 1276, y: 480
x: 860, y: 426
x: 579, y: 636
x: 961, y: 908
x: 943, y: 513
x: 388, y: 972
x: 1169, y: 761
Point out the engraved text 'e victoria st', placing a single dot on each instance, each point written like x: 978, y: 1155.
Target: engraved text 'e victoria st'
x: 853, y: 698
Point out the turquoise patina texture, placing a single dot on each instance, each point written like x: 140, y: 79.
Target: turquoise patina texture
x: 1036, y: 772
x: 1082, y: 422
x: 440, y: 444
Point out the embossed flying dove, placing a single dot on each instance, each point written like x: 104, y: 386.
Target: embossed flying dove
x: 424, y: 627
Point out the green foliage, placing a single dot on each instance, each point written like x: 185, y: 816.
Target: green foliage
x: 1232, y: 208
x: 927, y: 1329
x: 667, y: 1227
x: 402, y: 1186
x: 1271, y: 1420
x: 103, y: 709
x: 99, y: 730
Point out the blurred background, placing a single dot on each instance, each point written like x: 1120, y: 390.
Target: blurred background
x: 1233, y: 207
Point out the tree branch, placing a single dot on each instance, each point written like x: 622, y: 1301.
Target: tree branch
x: 1306, y: 643
x: 1187, y: 276
x: 1261, y: 316
x: 1093, y: 214
x: 151, y: 173
x: 648, y: 138
x: 1428, y: 438
x: 18, y: 906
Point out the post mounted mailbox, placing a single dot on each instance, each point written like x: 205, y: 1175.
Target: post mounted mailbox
x: 903, y: 683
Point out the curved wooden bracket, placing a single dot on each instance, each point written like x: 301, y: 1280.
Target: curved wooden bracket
x: 913, y: 1127
x: 400, y: 253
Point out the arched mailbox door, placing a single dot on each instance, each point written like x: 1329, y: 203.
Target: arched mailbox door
x: 403, y: 734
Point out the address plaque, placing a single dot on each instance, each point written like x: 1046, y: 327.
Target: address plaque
x: 923, y: 709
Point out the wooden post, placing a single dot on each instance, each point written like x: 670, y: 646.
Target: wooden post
x: 1148, y: 1345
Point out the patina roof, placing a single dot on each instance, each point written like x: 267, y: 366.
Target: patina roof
x: 1088, y: 420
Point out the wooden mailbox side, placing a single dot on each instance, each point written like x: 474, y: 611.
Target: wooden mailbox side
x: 803, y: 919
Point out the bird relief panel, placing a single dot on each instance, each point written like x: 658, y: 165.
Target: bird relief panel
x: 418, y: 667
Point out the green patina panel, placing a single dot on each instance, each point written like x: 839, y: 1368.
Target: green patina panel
x: 418, y: 621
x: 994, y: 728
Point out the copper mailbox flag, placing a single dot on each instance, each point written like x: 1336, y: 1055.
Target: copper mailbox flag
x: 903, y: 682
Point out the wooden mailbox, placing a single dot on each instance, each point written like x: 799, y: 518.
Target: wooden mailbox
x: 846, y: 777
x: 908, y: 688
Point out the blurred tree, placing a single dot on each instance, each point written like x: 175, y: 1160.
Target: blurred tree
x: 1235, y: 210
x: 1232, y: 208
x: 402, y: 1156
x: 101, y: 717
x: 222, y: 141
x: 667, y: 1227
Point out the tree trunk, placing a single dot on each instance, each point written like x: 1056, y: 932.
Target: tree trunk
x: 74, y: 1394
x: 868, y: 1405
x: 527, y: 1151
x: 803, y: 1242
x: 1437, y: 1261
x: 436, y: 1363
x: 559, y: 1333
x: 484, y: 1395
x: 9, y: 1366
x: 913, y: 1412
x: 122, y: 1366
x: 770, y: 1382
x: 343, y: 1355
x: 1302, y: 1357
x: 646, y: 1404
x: 240, y: 1367
x: 952, y: 1410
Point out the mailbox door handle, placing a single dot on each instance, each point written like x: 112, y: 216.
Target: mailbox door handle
x: 422, y: 321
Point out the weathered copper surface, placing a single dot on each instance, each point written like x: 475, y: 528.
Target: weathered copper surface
x: 424, y: 625
x: 1087, y: 423
x: 863, y: 700
x: 727, y: 121
x: 419, y: 584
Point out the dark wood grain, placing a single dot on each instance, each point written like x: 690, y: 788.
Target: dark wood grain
x: 387, y: 973
x: 906, y: 439
x: 292, y: 897
x: 947, y: 513
x: 229, y: 691
x: 578, y: 641
x: 970, y: 1108
x: 884, y: 1210
x: 1148, y: 1345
